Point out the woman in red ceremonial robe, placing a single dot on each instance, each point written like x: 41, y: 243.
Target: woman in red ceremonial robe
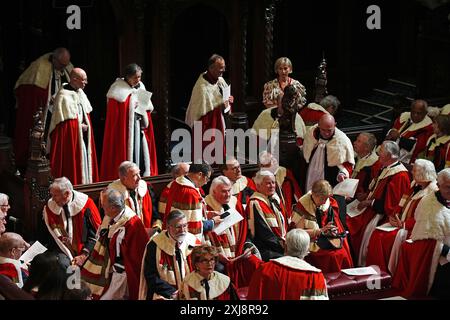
x: 129, y: 132
x: 318, y: 213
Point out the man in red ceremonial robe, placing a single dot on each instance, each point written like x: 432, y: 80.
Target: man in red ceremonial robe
x: 411, y: 131
x: 423, y: 266
x: 113, y: 268
x: 385, y: 191
x: 12, y: 246
x: 184, y: 195
x: 289, y: 277
x: 167, y: 260
x: 243, y: 187
x: 364, y: 147
x: 179, y: 170
x: 129, y: 127
x: 438, y: 145
x: 37, y: 87
x: 312, y: 113
x: 208, y: 105
x: 384, y: 245
x: 72, y: 219
x: 267, y: 217
x: 286, y: 186
x: 137, y: 195
x: 71, y: 136
x: 318, y: 214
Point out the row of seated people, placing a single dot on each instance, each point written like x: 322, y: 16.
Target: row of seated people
x: 265, y: 219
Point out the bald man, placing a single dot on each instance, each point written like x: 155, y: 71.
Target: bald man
x: 37, y: 87
x: 328, y: 152
x: 411, y: 131
x: 12, y: 246
x: 71, y: 137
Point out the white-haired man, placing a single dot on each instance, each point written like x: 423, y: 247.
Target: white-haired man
x: 364, y: 147
x: 384, y: 245
x: 289, y: 277
x: 286, y: 187
x: 72, y: 218
x: 385, y: 192
x: 167, y: 260
x: 423, y: 266
x: 267, y: 217
x: 137, y: 195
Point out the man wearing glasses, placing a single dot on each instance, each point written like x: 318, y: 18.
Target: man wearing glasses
x: 12, y: 246
x: 4, y: 207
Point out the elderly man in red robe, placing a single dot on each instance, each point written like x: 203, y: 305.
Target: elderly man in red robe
x: 385, y: 191
x: 208, y: 105
x: 312, y: 113
x: 137, y: 195
x: 12, y: 246
x: 384, y: 244
x: 72, y: 219
x: 129, y: 132
x: 37, y: 87
x: 267, y: 217
x: 289, y: 277
x: 364, y: 147
x: 317, y: 213
x: 167, y: 260
x: 113, y: 268
x: 71, y: 135
x: 424, y: 261
x: 411, y: 131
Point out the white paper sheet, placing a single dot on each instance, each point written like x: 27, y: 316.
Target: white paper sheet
x: 144, y: 102
x: 352, y: 209
x: 394, y: 298
x: 386, y: 227
x: 364, y: 271
x: 346, y: 188
x: 226, y: 93
x: 33, y: 251
x: 229, y: 221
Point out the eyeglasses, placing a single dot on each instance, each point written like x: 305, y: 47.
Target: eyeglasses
x: 5, y: 206
x: 208, y: 261
x: 180, y: 226
x: 206, y: 176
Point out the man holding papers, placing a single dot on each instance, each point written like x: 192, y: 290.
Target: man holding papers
x: 385, y: 192
x: 210, y: 101
x: 129, y: 126
x: 384, y: 245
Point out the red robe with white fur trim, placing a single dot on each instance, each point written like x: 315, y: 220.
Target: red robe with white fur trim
x: 287, y: 278
x: 118, y: 132
x: 56, y: 222
x: 421, y: 132
x: 184, y: 196
x: 11, y: 268
x: 418, y: 260
x: 312, y: 113
x: 143, y: 199
x: 66, y: 139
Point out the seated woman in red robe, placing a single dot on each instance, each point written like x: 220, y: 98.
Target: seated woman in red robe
x: 384, y: 245
x: 317, y: 212
x: 204, y: 283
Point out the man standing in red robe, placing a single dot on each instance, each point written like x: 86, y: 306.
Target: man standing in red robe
x: 71, y: 136
x: 208, y: 104
x: 72, y: 219
x: 289, y: 277
x: 129, y: 126
x: 37, y: 87
x: 137, y: 195
x: 113, y: 268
